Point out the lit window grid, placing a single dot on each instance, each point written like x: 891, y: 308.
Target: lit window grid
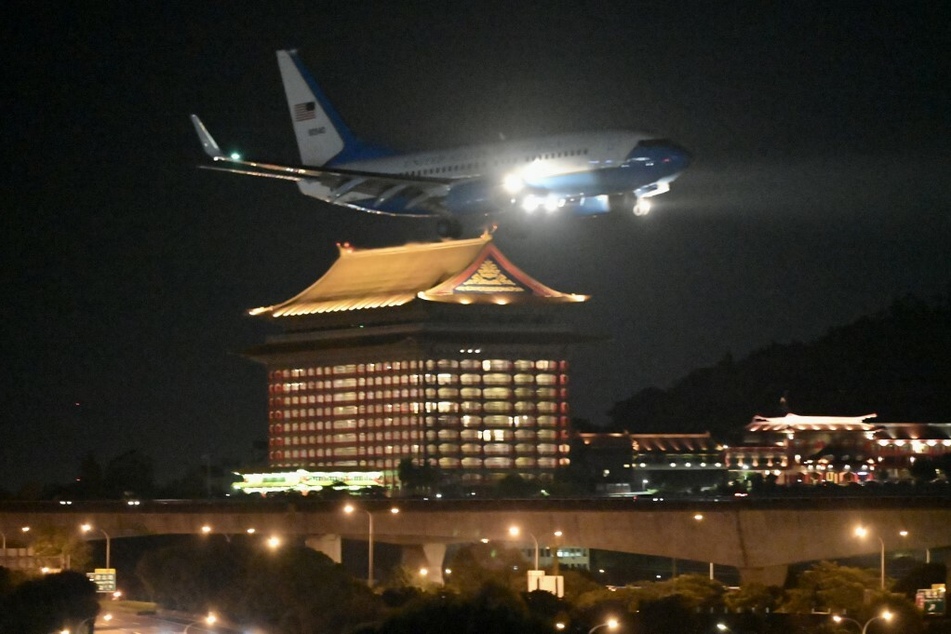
x: 310, y: 407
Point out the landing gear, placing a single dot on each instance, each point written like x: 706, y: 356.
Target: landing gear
x: 630, y: 202
x: 642, y: 207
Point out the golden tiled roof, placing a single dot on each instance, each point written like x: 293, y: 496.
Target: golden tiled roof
x: 463, y: 271
x: 794, y: 423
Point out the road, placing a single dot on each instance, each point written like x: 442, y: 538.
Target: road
x: 130, y: 622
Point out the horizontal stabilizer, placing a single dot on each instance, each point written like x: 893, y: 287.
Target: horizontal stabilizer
x: 208, y: 143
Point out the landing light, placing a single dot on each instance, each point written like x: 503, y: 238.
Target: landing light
x: 235, y: 156
x: 530, y: 203
x: 513, y: 183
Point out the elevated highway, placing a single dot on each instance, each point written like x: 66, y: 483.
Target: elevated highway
x: 760, y: 537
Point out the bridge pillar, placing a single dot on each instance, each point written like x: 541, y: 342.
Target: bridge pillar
x: 329, y: 545
x: 428, y: 556
x: 767, y: 575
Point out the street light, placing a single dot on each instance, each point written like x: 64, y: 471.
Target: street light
x: 88, y: 527
x: 350, y: 509
x: 884, y: 616
x: 611, y: 624
x: 208, y: 620
x: 554, y: 554
x: 514, y: 531
x: 25, y: 529
x: 862, y: 532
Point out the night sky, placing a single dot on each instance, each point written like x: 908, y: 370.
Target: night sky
x: 820, y: 189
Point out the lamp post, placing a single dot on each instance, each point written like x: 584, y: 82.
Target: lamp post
x: 88, y: 527
x: 611, y: 624
x: 884, y: 616
x: 862, y: 532
x: 350, y: 509
x: 24, y: 529
x: 208, y: 620
x: 514, y: 532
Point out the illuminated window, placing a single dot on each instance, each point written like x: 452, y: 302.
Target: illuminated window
x: 497, y: 378
x: 470, y: 379
x: 497, y: 407
x: 496, y: 365
x: 546, y: 379
x: 497, y: 393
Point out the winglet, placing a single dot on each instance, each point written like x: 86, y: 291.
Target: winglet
x: 207, y: 142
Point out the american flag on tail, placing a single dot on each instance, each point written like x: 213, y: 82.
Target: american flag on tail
x: 305, y: 111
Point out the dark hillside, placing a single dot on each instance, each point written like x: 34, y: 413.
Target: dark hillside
x: 896, y: 363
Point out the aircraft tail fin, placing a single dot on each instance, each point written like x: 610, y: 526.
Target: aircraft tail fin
x: 322, y: 136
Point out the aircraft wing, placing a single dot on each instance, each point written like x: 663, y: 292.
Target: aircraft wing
x: 419, y: 192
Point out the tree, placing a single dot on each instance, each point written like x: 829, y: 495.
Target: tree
x: 841, y: 589
x: 417, y: 478
x: 829, y: 586
x: 477, y: 564
x: 293, y: 590
x: 493, y: 607
x: 514, y: 486
x: 64, y: 600
x: 754, y: 597
x: 58, y: 547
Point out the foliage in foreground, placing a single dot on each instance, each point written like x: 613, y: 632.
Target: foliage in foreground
x: 48, y: 603
x: 294, y: 590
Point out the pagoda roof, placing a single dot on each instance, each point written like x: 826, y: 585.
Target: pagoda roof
x: 794, y: 423
x: 470, y: 271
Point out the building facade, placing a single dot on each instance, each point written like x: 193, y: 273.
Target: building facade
x: 445, y: 354
x: 787, y: 450
x: 840, y: 450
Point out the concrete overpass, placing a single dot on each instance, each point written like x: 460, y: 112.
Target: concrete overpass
x: 760, y: 537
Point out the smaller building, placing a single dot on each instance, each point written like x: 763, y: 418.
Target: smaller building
x: 625, y: 464
x: 797, y: 449
x: 786, y: 450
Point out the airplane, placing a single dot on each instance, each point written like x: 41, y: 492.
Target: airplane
x: 583, y: 174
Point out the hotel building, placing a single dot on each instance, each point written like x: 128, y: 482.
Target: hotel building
x: 443, y: 353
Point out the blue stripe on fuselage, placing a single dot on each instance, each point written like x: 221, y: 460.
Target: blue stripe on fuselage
x: 353, y: 148
x: 643, y: 166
